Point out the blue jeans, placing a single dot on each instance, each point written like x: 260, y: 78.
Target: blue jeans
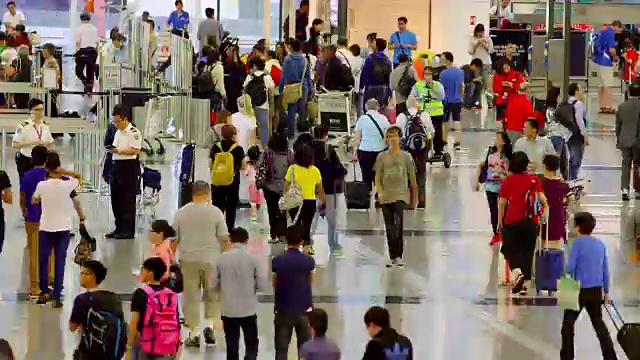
x: 58, y: 242
x: 560, y: 145
x: 331, y: 215
x: 576, y: 152
x: 262, y: 117
x: 299, y: 108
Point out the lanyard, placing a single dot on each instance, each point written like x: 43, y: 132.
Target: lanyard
x: 38, y: 132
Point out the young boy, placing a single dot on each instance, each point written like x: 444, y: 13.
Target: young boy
x: 588, y: 263
x: 320, y: 347
x: 153, y: 269
x: 238, y: 275
x: 386, y: 342
x: 95, y: 299
x: 472, y: 84
x: 292, y: 279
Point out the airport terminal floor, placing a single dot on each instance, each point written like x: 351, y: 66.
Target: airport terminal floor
x: 446, y: 299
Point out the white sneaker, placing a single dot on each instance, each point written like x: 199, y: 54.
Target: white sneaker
x: 399, y: 263
x: 391, y: 262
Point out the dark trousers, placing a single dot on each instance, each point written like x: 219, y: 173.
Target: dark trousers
x: 591, y: 300
x: 438, y: 141
x: 560, y: 146
x: 249, y: 326
x: 576, y: 152
x: 382, y: 93
x: 401, y: 108
x: 86, y: 65
x: 277, y: 218
x: 226, y: 198
x: 630, y: 162
x: 393, y: 214
x: 367, y: 161
x: 492, y: 199
x: 123, y: 187
x: 297, y: 108
x: 519, y: 244
x: 23, y: 164
x: 58, y: 242
x: 284, y: 325
x: 305, y: 219
x: 420, y: 160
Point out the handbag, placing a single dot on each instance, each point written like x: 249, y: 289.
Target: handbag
x: 261, y: 173
x: 313, y: 109
x: 292, y: 93
x: 292, y: 198
x: 568, y: 293
x: 484, y: 168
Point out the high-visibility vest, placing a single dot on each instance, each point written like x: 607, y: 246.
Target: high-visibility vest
x: 434, y: 107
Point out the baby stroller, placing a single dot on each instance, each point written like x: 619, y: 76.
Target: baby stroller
x: 150, y: 193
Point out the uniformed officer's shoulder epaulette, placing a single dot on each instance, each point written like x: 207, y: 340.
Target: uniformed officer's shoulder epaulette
x: 46, y: 122
x: 134, y: 129
x: 25, y: 123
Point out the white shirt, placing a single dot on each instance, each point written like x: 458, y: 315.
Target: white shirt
x: 12, y: 20
x: 28, y: 132
x: 246, y: 127
x: 345, y: 56
x: 401, y: 121
x: 268, y: 83
x: 57, y: 205
x: 501, y: 13
x: 357, y: 63
x: 128, y: 138
x: 535, y: 150
x: 87, y: 36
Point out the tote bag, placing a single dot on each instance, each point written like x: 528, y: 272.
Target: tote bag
x: 293, y: 92
x: 568, y: 293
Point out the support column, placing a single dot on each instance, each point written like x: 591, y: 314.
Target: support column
x: 73, y: 16
x: 267, y: 21
x: 281, y: 17
x: 343, y: 17
x: 292, y: 18
x: 550, y: 29
x: 566, y: 32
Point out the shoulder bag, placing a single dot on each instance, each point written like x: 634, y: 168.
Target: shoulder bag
x: 377, y: 126
x: 292, y: 93
x: 292, y: 198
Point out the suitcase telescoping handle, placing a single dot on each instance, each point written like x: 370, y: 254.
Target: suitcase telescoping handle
x: 355, y: 173
x: 617, y: 319
x: 544, y: 225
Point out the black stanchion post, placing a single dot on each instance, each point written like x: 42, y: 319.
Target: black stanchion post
x: 566, y: 34
x: 550, y: 30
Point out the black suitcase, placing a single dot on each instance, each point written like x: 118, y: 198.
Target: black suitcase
x: 187, y: 174
x: 134, y: 97
x: 357, y: 193
x: 628, y: 335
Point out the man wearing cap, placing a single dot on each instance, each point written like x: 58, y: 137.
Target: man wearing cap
x: 124, y: 174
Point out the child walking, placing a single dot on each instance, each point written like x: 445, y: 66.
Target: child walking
x: 256, y: 197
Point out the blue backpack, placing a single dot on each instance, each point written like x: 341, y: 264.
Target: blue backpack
x: 593, y: 45
x: 396, y: 353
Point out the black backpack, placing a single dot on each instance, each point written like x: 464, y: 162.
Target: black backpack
x: 406, y: 83
x: 204, y: 83
x: 105, y: 333
x: 416, y: 136
x: 256, y: 90
x: 381, y: 70
x: 565, y: 114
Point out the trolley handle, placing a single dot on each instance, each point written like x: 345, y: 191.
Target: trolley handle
x: 617, y: 319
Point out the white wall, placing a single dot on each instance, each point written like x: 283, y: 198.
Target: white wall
x: 381, y: 16
x: 451, y: 27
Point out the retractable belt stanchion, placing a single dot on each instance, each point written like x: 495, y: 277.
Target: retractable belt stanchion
x: 180, y: 82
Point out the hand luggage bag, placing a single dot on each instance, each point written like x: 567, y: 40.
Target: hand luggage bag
x: 357, y: 193
x: 549, y: 265
x: 628, y: 333
x: 186, y: 173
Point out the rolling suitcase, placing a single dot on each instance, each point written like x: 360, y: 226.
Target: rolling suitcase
x: 628, y: 334
x: 549, y: 265
x: 357, y: 193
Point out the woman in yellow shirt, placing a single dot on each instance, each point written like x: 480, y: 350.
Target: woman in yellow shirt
x: 307, y: 176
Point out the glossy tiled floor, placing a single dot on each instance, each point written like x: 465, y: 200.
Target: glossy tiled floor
x: 446, y: 296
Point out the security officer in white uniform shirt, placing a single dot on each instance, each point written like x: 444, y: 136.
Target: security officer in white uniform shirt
x: 30, y: 133
x: 125, y: 172
x: 12, y: 17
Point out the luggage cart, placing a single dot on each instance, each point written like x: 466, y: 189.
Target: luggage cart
x: 335, y: 113
x: 432, y: 158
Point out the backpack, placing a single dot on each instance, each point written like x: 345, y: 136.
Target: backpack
x: 416, y: 136
x: 406, y: 82
x: 534, y: 207
x: 204, y: 83
x: 593, y: 45
x: 257, y: 91
x: 224, y: 170
x: 105, y: 333
x: 381, y: 70
x: 565, y: 115
x: 396, y: 353
x: 160, y: 333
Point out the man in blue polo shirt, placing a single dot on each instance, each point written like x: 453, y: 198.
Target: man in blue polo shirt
x: 179, y: 19
x: 402, y: 41
x: 292, y: 280
x: 604, y: 56
x: 452, y: 79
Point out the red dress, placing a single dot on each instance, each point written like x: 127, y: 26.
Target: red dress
x: 630, y: 67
